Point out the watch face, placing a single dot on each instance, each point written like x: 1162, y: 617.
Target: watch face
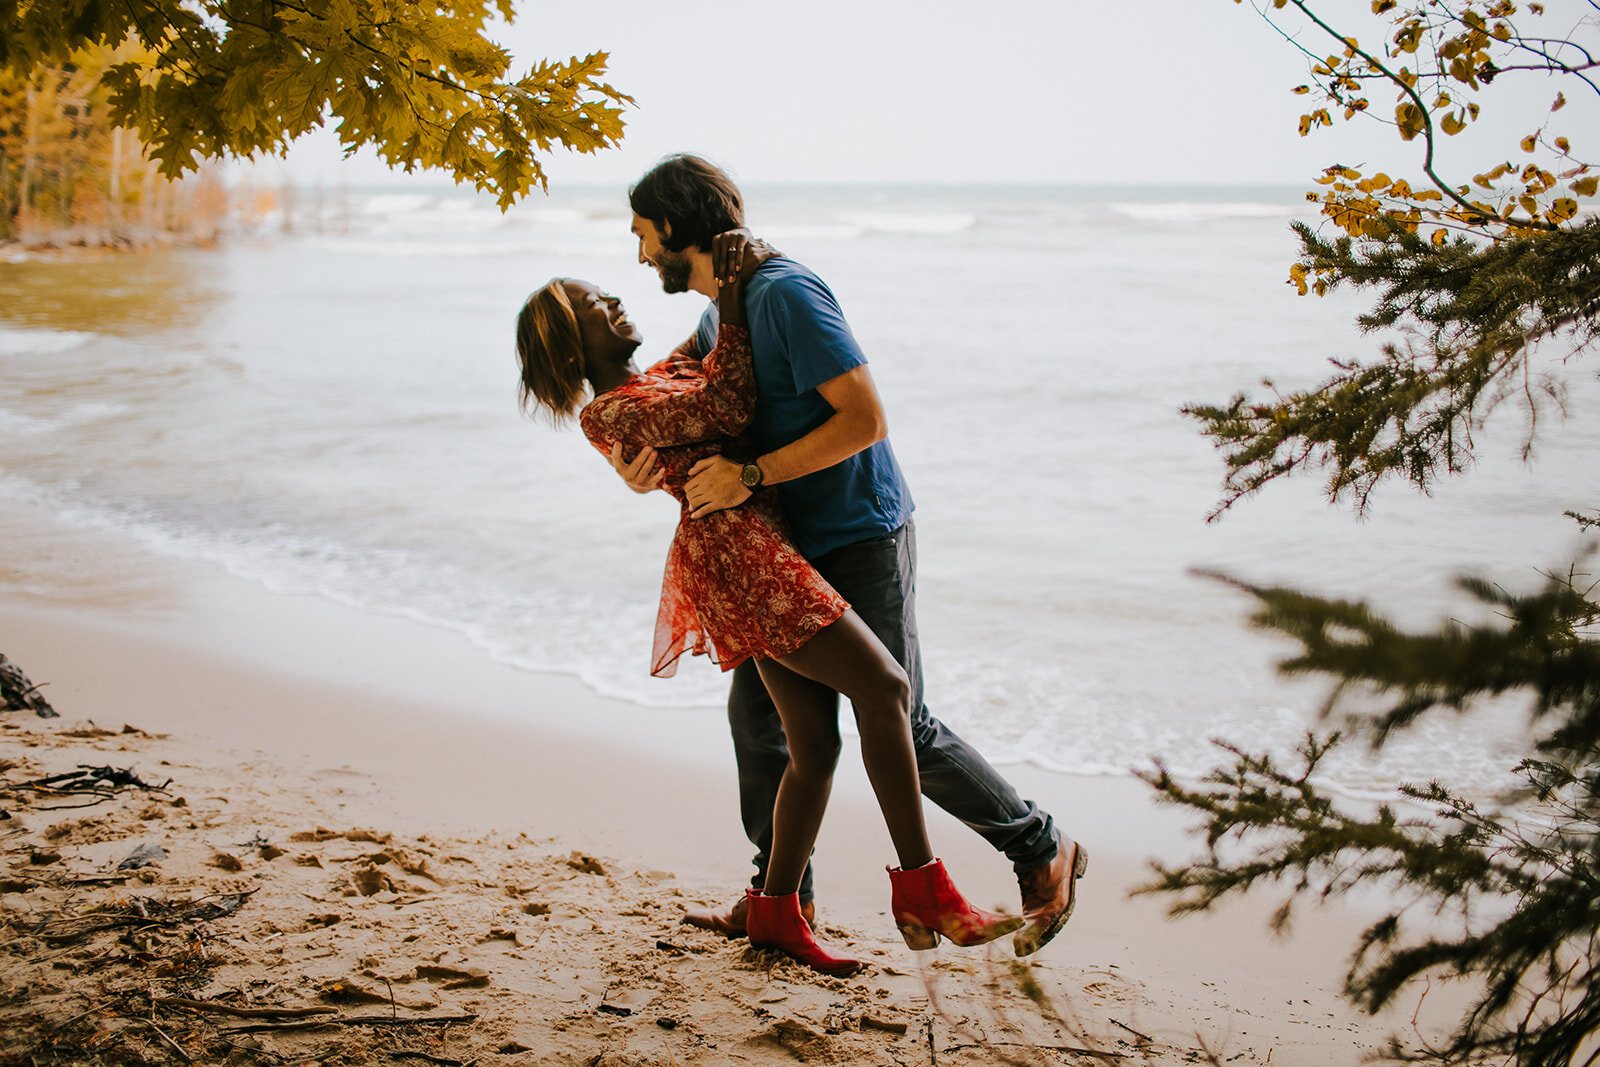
x: 750, y: 476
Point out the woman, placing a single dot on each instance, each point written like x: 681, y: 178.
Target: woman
x: 736, y: 588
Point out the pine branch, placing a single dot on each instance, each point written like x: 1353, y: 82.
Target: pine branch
x: 1475, y: 315
x: 1533, y: 970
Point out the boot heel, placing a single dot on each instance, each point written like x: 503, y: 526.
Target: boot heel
x: 926, y: 907
x: 918, y: 938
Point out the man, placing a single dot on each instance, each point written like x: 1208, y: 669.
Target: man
x: 820, y: 436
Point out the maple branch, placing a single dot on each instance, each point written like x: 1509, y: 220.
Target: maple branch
x: 376, y: 26
x: 149, y: 39
x: 416, y: 72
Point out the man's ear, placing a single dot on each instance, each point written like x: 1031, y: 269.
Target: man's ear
x: 666, y: 230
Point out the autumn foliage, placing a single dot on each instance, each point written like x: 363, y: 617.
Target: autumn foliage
x: 1437, y: 61
x: 419, y: 83
x: 68, y: 176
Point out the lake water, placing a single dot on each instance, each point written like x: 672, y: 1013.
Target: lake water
x: 331, y: 410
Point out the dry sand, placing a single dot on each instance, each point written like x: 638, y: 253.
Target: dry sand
x: 367, y: 818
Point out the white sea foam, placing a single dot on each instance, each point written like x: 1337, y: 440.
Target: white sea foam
x: 400, y: 213
x: 1202, y: 212
x: 425, y: 249
x: 396, y: 204
x: 22, y: 423
x: 15, y: 422
x: 17, y: 341
x: 932, y: 224
x: 787, y: 231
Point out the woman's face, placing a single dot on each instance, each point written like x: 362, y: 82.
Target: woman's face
x: 603, y: 325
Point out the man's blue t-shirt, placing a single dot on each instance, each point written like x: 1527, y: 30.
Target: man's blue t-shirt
x: 800, y: 340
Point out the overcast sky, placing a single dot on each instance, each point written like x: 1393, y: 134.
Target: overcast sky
x: 1140, y: 91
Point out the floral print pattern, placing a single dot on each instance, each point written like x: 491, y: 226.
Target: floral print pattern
x: 735, y: 586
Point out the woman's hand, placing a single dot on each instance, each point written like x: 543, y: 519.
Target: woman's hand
x: 735, y: 257
x: 641, y: 473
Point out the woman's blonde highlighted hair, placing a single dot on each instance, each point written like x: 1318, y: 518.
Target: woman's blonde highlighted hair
x: 550, y: 350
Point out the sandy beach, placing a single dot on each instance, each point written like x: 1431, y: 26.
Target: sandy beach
x: 363, y: 824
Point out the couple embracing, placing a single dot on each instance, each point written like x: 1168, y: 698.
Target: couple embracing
x: 793, y: 564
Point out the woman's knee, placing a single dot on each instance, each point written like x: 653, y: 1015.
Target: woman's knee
x: 814, y: 753
x: 886, y: 694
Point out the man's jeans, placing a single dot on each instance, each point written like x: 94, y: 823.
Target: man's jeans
x: 878, y: 578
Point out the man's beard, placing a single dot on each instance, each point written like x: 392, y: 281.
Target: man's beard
x: 674, y: 268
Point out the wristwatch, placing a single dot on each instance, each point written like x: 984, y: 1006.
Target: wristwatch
x: 750, y: 476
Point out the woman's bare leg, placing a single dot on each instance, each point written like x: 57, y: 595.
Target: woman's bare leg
x: 811, y: 726
x: 848, y: 658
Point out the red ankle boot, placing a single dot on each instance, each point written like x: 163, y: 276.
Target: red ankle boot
x: 926, y: 904
x: 776, y: 922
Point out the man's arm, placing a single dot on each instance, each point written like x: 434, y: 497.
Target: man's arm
x: 857, y: 423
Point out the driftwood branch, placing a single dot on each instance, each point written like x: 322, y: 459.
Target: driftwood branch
x: 104, y: 781
x: 100, y: 783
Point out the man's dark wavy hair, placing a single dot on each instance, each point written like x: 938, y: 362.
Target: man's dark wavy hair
x: 692, y: 197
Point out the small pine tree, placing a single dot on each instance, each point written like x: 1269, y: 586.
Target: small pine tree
x: 1481, y: 278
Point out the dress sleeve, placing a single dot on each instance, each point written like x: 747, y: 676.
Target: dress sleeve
x: 683, y: 360
x: 681, y: 410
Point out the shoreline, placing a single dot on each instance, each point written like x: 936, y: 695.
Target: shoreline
x: 286, y: 715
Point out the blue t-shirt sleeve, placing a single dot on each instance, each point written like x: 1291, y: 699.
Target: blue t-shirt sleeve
x: 803, y: 321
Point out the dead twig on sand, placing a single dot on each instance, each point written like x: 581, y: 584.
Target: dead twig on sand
x: 162, y: 1034
x: 1146, y: 1038
x: 887, y: 1026
x: 137, y: 912
x: 264, y: 1012
x: 1073, y: 1049
x: 96, y: 802
x: 348, y: 1021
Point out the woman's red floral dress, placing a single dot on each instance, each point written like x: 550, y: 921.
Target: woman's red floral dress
x: 735, y: 586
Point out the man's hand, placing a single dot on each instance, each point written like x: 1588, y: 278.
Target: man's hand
x: 714, y: 485
x: 642, y: 475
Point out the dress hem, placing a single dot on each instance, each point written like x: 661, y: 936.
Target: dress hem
x: 669, y: 668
